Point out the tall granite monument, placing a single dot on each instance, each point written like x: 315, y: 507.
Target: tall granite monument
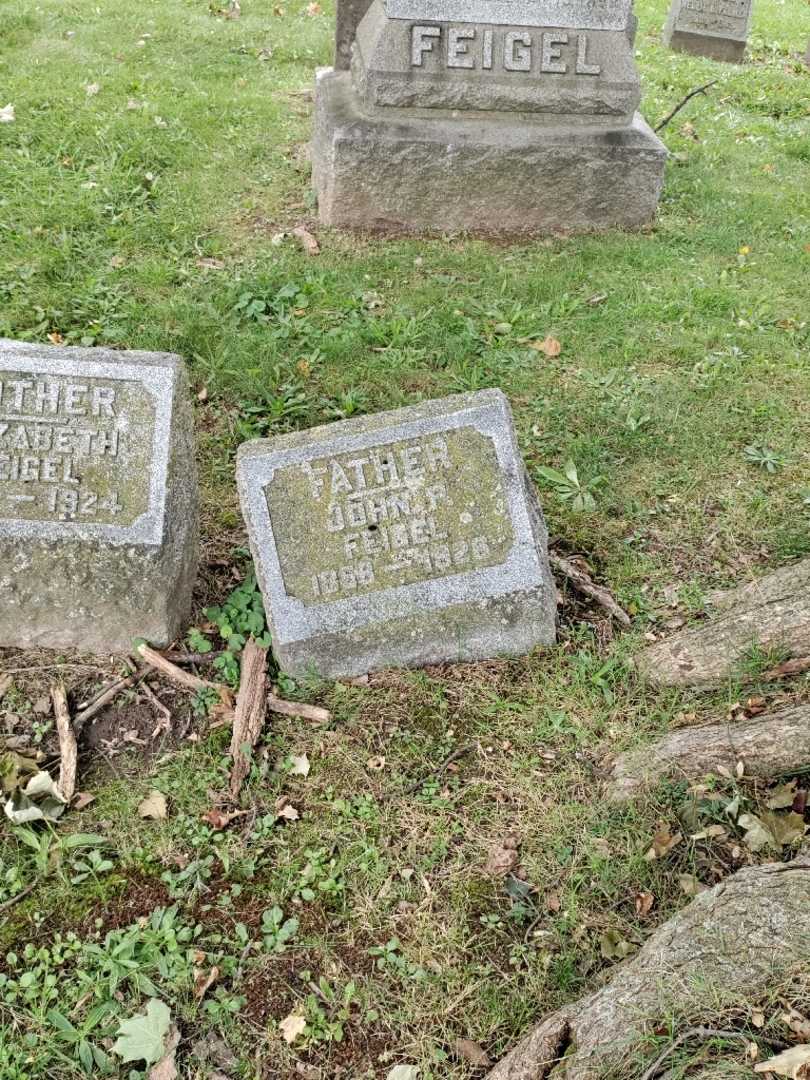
x: 495, y: 116
x: 717, y: 29
x: 98, y: 497
x: 410, y: 537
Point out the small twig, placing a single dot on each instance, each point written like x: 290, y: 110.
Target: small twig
x: 103, y: 699
x: 680, y: 105
x: 459, y: 752
x: 20, y: 896
x: 297, y: 708
x: 68, y: 751
x: 166, y: 723
x: 5, y: 683
x: 193, y: 657
x: 584, y: 583
x: 691, y: 1033
x: 177, y: 675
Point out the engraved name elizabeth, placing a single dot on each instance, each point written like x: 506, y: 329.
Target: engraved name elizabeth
x: 73, y: 449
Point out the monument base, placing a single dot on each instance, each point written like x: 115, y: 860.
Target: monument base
x: 731, y: 50
x: 492, y: 174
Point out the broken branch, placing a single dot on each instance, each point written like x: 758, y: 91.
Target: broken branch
x: 585, y: 584
x: 297, y: 708
x: 248, y: 720
x: 680, y: 105
x: 176, y: 674
x: 68, y: 750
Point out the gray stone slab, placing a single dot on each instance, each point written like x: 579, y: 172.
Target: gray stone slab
x: 402, y: 539
x: 98, y: 497
x: 717, y: 29
x: 575, y: 14
x: 588, y: 74
x: 407, y: 170
x: 349, y: 15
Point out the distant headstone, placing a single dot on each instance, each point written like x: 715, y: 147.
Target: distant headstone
x: 717, y: 29
x: 496, y: 116
x: 98, y: 497
x: 349, y: 16
x: 407, y: 538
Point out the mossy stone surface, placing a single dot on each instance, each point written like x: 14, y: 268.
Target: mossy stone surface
x: 98, y: 497
x: 402, y: 539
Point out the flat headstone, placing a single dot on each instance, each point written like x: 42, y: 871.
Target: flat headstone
x: 98, y: 497
x: 406, y: 538
x: 717, y: 29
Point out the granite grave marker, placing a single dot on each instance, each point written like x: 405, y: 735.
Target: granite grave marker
x: 496, y: 116
x: 402, y: 539
x: 98, y: 497
x: 717, y: 29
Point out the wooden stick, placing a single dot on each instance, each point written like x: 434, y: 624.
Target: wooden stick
x: 5, y: 684
x: 251, y: 709
x: 678, y: 107
x: 584, y: 584
x: 194, y: 658
x: 102, y: 700
x: 67, y: 743
x: 19, y: 896
x: 297, y: 708
x: 176, y: 674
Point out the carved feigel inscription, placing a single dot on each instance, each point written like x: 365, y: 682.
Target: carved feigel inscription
x: 74, y: 449
x: 409, y: 511
x: 489, y: 49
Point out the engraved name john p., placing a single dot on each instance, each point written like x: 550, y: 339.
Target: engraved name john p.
x: 74, y: 449
x: 404, y: 512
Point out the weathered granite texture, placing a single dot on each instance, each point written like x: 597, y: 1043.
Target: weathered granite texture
x: 717, y: 29
x: 98, y: 497
x: 497, y: 117
x: 438, y: 173
x: 407, y: 538
x: 586, y: 76
x: 349, y: 15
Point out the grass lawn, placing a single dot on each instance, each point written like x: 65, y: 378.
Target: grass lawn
x: 148, y: 185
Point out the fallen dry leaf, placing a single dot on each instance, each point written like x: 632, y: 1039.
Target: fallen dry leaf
x: 690, y: 884
x: 503, y: 857
x: 285, y: 810
x: 7, y: 114
x: 292, y: 1026
x: 203, y: 982
x: 663, y: 843
x: 553, y: 903
x: 82, y: 799
x: 644, y: 902
x: 299, y: 765
x: 166, y: 1069
x: 92, y: 89
x: 219, y: 819
x: 793, y: 1063
x: 154, y: 806
x: 472, y: 1053
x: 549, y: 346
x: 376, y: 764
x: 797, y: 1023
x: 307, y: 241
